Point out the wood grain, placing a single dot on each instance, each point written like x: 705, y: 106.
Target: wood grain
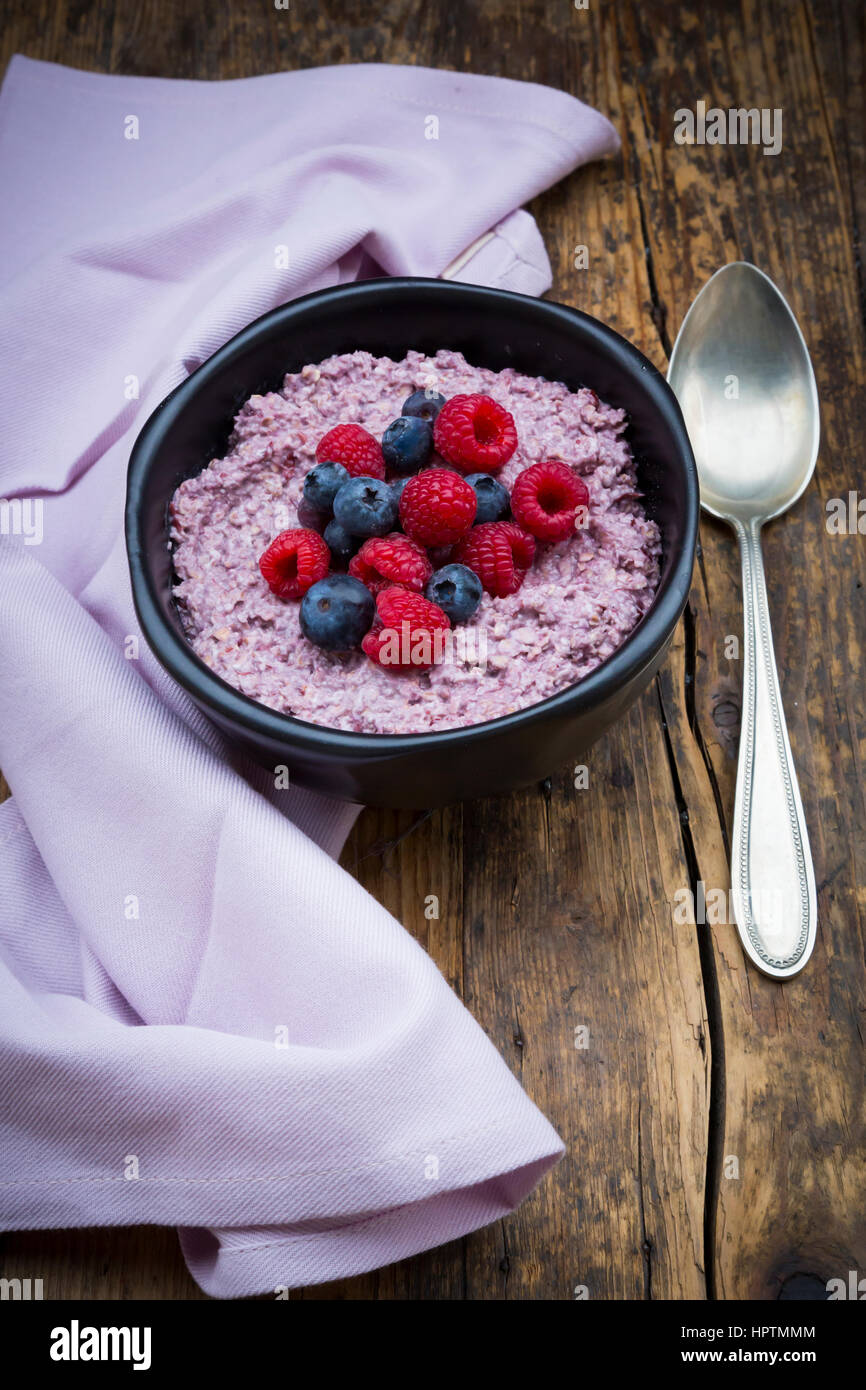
x: 555, y: 905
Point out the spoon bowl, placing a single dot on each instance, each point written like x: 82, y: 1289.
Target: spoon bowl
x: 741, y: 371
x: 742, y: 374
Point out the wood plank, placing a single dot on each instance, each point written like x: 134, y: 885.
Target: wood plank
x: 791, y: 1117
x: 623, y: 1215
x: 101, y: 1263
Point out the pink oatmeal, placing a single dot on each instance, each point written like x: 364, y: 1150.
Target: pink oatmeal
x: 578, y: 603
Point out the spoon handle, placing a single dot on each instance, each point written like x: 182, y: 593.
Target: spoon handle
x: 772, y: 879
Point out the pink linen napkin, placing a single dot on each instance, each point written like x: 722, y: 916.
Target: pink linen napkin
x: 205, y: 1021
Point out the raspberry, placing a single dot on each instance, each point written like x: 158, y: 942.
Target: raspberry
x: 499, y: 553
x: 437, y: 507
x: 353, y: 447
x: 409, y: 634
x: 392, y: 559
x: 545, y: 499
x: 294, y: 561
x: 475, y: 434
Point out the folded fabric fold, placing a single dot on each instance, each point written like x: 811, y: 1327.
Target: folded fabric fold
x: 205, y: 1021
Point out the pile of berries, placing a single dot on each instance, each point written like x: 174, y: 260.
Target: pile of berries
x: 392, y: 540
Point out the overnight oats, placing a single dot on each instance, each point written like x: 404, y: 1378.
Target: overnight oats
x: 394, y: 547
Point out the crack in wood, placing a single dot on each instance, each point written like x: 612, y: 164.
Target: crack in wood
x: 691, y: 662
x: 712, y: 1001
x: 505, y: 1262
x: 646, y: 1246
x: 658, y: 311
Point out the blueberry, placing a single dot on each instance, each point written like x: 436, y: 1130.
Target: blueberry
x: 457, y: 591
x: 365, y: 507
x: 322, y: 484
x: 407, y: 444
x: 397, y: 488
x: 424, y: 405
x: 337, y: 612
x: 440, y: 555
x: 309, y: 517
x: 493, y: 500
x: 340, y: 543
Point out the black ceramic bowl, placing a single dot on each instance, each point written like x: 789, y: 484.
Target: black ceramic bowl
x: 493, y: 329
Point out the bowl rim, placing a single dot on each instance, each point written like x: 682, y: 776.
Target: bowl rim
x: 177, y: 656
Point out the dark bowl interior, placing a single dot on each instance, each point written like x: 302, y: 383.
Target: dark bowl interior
x: 388, y: 317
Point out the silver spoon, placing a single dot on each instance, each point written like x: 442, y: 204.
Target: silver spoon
x: 742, y: 374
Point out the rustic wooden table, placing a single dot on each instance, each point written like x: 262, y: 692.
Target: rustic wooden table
x: 715, y: 1121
